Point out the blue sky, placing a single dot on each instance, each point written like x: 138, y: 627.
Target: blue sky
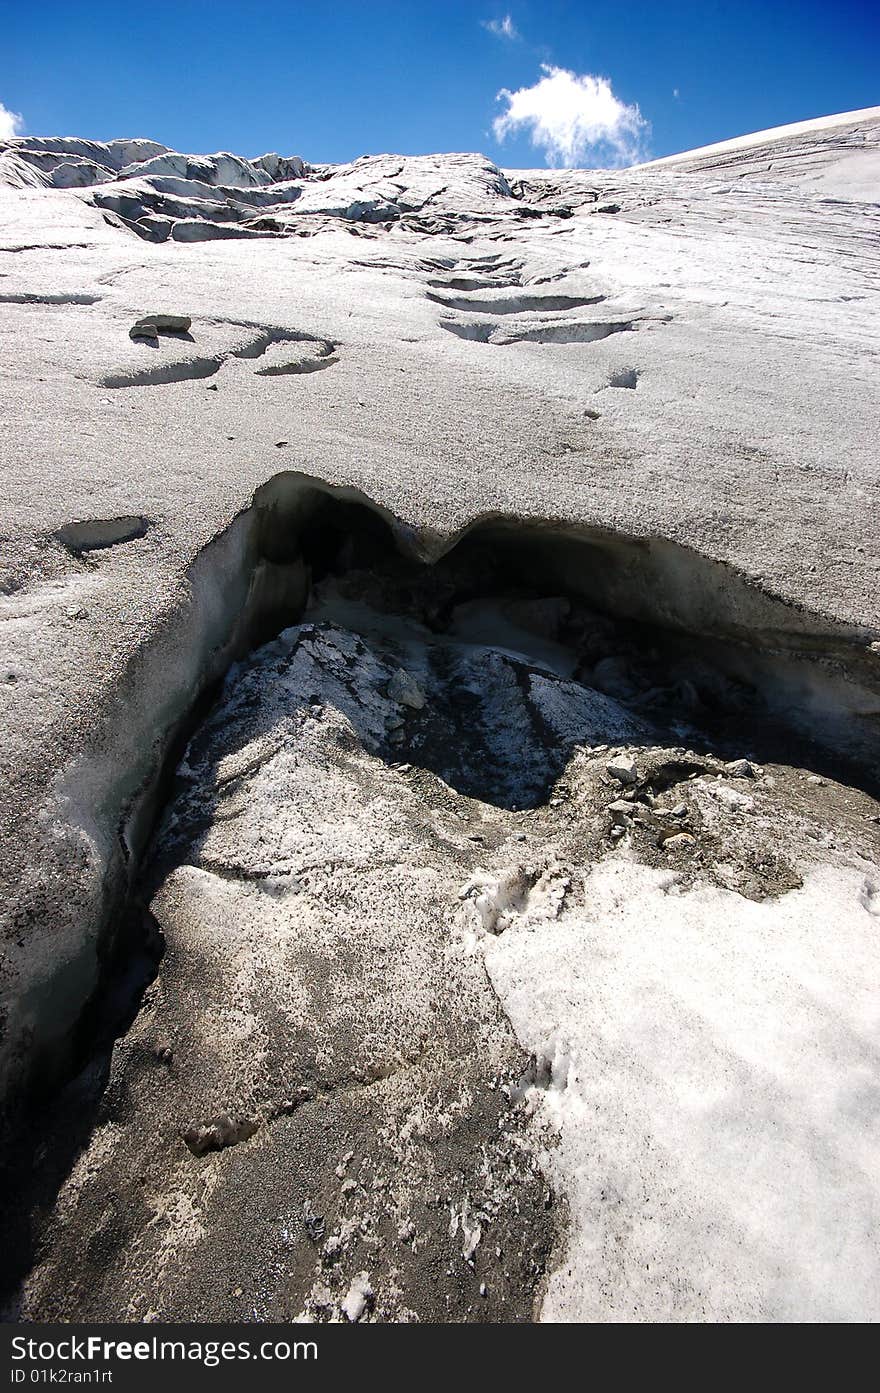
x: 589, y: 82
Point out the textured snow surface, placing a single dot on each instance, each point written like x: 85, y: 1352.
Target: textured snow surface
x: 679, y: 359
x: 710, y: 1064
x: 809, y: 129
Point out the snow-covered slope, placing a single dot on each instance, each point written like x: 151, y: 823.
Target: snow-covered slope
x: 833, y: 156
x: 635, y: 411
x: 843, y: 128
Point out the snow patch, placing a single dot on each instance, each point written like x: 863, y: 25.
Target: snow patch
x: 358, y: 1297
x: 709, y: 1065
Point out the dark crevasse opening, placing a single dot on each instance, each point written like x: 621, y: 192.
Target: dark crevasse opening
x: 476, y: 673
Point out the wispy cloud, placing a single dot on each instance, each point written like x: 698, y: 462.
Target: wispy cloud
x: 570, y: 116
x: 10, y: 123
x: 501, y: 28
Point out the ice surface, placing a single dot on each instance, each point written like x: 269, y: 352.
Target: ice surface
x: 744, y: 281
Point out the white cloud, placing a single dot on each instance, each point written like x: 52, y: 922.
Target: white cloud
x: 501, y: 28
x: 10, y: 123
x: 570, y: 116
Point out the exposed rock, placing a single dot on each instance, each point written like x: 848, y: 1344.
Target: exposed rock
x: 740, y: 769
x: 623, y: 768
x: 677, y: 841
x: 164, y: 323
x: 403, y: 689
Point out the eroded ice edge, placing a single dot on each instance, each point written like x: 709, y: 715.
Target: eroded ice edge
x: 701, y: 1091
